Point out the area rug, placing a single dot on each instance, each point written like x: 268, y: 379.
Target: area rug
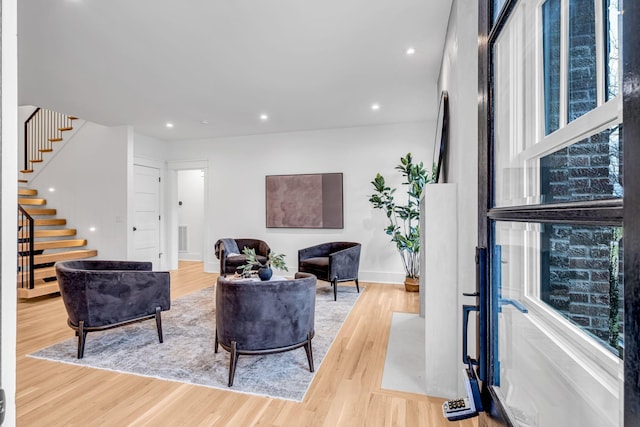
x: 187, y: 352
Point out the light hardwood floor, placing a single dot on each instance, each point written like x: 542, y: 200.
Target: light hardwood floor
x: 345, y: 392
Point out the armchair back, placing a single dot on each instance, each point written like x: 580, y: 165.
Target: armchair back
x: 332, y: 262
x: 232, y: 258
x: 263, y: 317
x: 104, y: 294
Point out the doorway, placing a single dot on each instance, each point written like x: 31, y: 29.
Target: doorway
x: 191, y: 215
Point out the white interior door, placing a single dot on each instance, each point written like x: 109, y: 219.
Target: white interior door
x: 146, y: 224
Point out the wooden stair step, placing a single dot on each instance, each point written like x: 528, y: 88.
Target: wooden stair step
x: 55, y: 139
x: 72, y: 118
x: 45, y: 150
x: 36, y: 160
x: 26, y: 171
x: 54, y: 233
x: 39, y: 289
x: 66, y: 128
x: 44, y: 222
x: 53, y: 244
x: 25, y: 201
x: 38, y: 274
x: 37, y: 211
x: 63, y: 256
x: 23, y: 181
x: 27, y: 192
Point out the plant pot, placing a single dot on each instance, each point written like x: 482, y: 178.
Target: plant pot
x: 265, y: 273
x: 411, y: 284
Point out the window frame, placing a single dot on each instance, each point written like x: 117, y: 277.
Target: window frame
x: 599, y: 212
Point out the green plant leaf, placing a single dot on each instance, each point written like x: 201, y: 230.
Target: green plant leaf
x: 403, y: 218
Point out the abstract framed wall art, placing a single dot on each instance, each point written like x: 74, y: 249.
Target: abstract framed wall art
x: 304, y: 201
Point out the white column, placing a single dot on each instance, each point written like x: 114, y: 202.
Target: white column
x: 439, y: 284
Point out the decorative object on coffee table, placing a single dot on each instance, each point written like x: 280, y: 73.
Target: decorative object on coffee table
x: 255, y: 318
x: 100, y: 294
x: 332, y: 262
x: 263, y: 265
x: 404, y: 220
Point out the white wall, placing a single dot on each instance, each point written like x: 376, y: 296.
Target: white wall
x: 90, y: 175
x: 191, y: 212
x: 146, y: 147
x: 235, y: 186
x: 9, y: 201
x: 459, y: 77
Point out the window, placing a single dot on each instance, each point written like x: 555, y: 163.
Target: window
x: 572, y: 160
x: 555, y: 237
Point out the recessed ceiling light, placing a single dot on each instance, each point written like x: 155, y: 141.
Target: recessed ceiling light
x: 51, y: 189
x: 264, y: 117
x: 410, y: 51
x: 375, y: 107
x: 169, y: 125
x: 204, y: 122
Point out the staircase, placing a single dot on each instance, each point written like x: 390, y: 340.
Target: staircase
x: 42, y: 130
x: 51, y: 242
x: 43, y: 239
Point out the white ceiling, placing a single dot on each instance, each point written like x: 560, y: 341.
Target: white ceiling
x: 307, y: 64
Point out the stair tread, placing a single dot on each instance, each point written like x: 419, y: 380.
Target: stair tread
x: 66, y: 128
x: 40, y: 211
x: 41, y: 222
x: 27, y: 192
x: 55, y: 139
x: 40, y: 289
x: 55, y: 232
x: 26, y: 171
x: 54, y: 244
x: 34, y: 201
x: 45, y: 150
x: 63, y: 256
x: 38, y: 273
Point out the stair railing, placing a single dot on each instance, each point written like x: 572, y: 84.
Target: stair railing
x: 41, y: 130
x: 25, y: 249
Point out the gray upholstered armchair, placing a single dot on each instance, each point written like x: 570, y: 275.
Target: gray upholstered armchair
x: 263, y: 317
x: 229, y: 252
x: 104, y: 294
x: 332, y: 262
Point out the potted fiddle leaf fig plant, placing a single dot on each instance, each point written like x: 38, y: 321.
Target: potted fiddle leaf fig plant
x: 404, y: 219
x: 265, y: 270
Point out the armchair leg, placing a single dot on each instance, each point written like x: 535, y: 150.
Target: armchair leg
x: 215, y: 346
x: 233, y: 361
x: 159, y: 324
x: 309, y: 351
x: 357, y: 286
x: 334, y: 283
x: 82, y: 335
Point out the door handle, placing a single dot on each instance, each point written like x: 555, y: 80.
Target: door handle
x: 466, y: 310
